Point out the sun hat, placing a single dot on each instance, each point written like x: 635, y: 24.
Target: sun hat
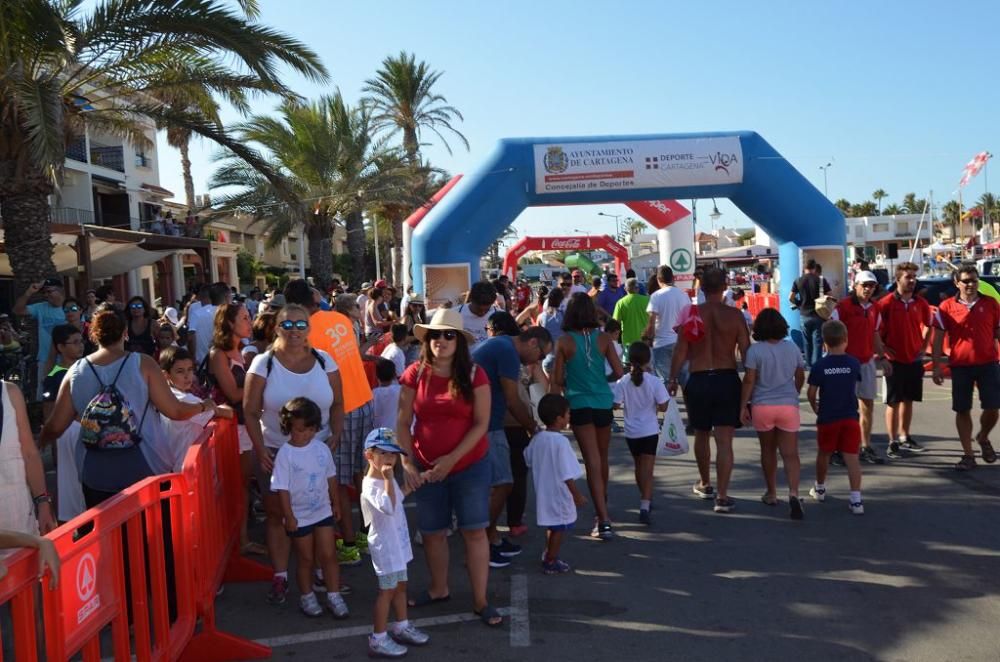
x: 171, y: 314
x: 383, y: 439
x: 865, y: 277
x: 367, y: 285
x: 417, y: 300
x: 444, y: 319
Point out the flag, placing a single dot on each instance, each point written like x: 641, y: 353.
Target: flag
x: 973, y: 167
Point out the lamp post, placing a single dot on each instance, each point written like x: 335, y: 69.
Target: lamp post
x: 715, y: 215
x: 824, y: 168
x: 616, y: 217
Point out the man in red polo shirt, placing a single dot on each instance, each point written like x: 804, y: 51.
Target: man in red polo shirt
x: 972, y: 323
x: 862, y: 319
x: 906, y: 327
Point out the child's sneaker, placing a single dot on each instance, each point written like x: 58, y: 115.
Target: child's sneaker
x: 703, y: 491
x: 498, y: 560
x: 310, y: 605
x: 726, y: 505
x: 818, y: 493
x: 347, y: 555
x: 335, y: 602
x: 644, y: 517
x: 384, y: 647
x: 279, y: 589
x: 857, y: 508
x: 410, y: 635
x: 895, y: 450
x: 507, y: 548
x: 555, y: 567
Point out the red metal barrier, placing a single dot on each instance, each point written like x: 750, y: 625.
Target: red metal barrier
x: 218, y: 497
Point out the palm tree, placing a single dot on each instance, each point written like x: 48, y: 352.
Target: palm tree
x: 843, y: 205
x: 62, y: 70
x: 878, y: 196
x: 635, y: 227
x: 988, y: 203
x: 912, y: 204
x: 335, y: 168
x: 892, y: 210
x: 402, y: 99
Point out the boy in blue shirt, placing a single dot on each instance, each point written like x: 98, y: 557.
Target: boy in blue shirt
x: 834, y: 378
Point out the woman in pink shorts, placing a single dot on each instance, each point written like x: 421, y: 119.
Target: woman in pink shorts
x: 775, y: 373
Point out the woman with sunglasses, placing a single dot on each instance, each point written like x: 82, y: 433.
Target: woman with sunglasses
x: 140, y: 327
x: 445, y: 401
x: 289, y: 369
x: 579, y: 374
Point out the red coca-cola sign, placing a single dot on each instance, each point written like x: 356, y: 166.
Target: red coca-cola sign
x: 566, y: 244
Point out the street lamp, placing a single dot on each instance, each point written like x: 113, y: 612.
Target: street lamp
x: 716, y: 214
x: 824, y: 169
x: 614, y: 216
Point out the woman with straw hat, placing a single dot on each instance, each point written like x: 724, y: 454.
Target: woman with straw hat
x: 445, y: 401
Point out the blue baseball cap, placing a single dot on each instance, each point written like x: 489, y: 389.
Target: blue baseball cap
x: 383, y: 439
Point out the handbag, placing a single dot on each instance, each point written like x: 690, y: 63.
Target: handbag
x: 673, y: 439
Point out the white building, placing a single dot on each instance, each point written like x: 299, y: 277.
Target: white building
x: 876, y: 233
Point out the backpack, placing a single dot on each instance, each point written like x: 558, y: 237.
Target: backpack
x: 316, y: 355
x: 108, y: 420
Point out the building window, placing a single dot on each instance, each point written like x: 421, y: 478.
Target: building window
x: 859, y: 231
x: 141, y: 160
x: 260, y: 248
x: 284, y: 249
x: 880, y: 227
x: 902, y: 228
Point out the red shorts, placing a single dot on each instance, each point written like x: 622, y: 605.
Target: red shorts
x: 843, y: 436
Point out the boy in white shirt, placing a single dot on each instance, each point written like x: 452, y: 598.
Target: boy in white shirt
x: 385, y: 396
x: 554, y: 470
x: 388, y: 545
x: 394, y: 352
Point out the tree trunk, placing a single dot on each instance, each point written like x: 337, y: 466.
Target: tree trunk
x: 320, y: 235
x: 356, y: 245
x: 397, y: 242
x: 410, y: 145
x: 24, y: 208
x: 184, y: 148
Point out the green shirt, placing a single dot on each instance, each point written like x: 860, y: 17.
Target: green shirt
x: 631, y: 312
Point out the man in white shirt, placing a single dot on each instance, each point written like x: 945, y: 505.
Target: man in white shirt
x: 477, y: 310
x: 578, y: 284
x: 201, y: 323
x: 665, y: 305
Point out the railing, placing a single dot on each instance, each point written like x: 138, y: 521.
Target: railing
x: 108, y: 156
x: 70, y: 216
x: 77, y: 150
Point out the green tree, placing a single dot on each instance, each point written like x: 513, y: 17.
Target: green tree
x: 636, y: 226
x: 912, y: 204
x: 843, y: 205
x: 248, y: 267
x: 892, y: 210
x: 867, y: 208
x: 63, y: 69
x: 326, y: 152
x: 988, y: 203
x: 878, y: 195
x: 403, y: 99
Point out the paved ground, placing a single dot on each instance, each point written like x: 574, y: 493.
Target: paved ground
x: 914, y: 579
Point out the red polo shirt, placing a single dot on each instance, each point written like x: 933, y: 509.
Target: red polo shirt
x: 903, y: 324
x: 971, y: 329
x: 861, y: 323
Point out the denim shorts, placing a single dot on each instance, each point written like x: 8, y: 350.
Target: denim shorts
x: 389, y: 582
x: 499, y: 457
x: 466, y: 493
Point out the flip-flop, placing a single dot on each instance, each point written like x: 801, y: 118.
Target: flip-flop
x: 487, y: 614
x: 424, y: 598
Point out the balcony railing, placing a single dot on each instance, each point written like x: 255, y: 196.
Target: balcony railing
x: 108, y: 156
x: 70, y: 216
x: 77, y: 150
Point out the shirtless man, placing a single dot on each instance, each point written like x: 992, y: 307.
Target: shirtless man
x: 713, y: 386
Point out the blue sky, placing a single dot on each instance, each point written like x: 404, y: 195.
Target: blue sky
x: 897, y: 95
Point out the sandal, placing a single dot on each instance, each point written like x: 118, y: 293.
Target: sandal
x: 487, y: 615
x: 989, y: 455
x: 424, y: 598
x: 967, y: 463
x: 769, y: 500
x: 254, y: 548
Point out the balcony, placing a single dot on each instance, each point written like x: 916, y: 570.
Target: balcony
x: 70, y: 216
x: 108, y: 156
x: 77, y: 150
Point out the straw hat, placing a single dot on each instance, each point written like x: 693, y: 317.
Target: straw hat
x: 444, y: 319
x: 416, y: 300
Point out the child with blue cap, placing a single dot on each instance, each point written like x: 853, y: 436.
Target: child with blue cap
x: 388, y: 545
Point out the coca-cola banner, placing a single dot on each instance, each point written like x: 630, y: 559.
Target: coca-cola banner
x: 613, y: 166
x: 659, y: 213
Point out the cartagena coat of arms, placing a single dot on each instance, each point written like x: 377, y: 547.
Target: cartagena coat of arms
x: 555, y: 160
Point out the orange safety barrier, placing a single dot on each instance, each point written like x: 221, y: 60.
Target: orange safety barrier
x: 218, y: 498
x: 758, y: 302
x: 93, y: 592
x: 18, y: 589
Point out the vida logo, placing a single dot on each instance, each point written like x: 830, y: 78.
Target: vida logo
x: 722, y: 161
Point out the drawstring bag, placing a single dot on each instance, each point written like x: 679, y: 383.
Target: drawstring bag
x: 673, y: 439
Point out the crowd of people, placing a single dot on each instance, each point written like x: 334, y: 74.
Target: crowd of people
x: 469, y: 403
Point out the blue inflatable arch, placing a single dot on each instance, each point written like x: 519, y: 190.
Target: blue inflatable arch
x: 525, y: 172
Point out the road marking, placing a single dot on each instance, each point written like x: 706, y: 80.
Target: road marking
x: 365, y: 630
x: 520, y: 621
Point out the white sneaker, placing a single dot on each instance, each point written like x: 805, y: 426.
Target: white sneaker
x: 385, y: 648
x: 310, y: 605
x: 818, y: 493
x: 337, y: 605
x: 857, y: 508
x: 410, y: 635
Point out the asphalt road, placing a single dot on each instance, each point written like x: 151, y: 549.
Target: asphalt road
x: 914, y: 579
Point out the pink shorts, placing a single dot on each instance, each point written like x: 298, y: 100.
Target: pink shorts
x: 767, y: 417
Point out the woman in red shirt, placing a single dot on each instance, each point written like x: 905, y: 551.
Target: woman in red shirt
x: 445, y: 400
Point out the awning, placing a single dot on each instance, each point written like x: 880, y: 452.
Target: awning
x: 158, y: 191
x: 107, y: 258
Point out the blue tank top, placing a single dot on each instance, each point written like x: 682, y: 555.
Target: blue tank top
x: 586, y: 382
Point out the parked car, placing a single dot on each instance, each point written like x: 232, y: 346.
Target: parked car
x: 939, y: 288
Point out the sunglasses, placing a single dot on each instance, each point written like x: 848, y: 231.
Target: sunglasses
x: 867, y: 285
x: 300, y: 325
x: 966, y: 281
x: 435, y: 334
x: 137, y: 306
x: 71, y: 309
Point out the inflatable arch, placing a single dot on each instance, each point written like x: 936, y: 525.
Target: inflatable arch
x: 585, y: 243
x: 525, y: 172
